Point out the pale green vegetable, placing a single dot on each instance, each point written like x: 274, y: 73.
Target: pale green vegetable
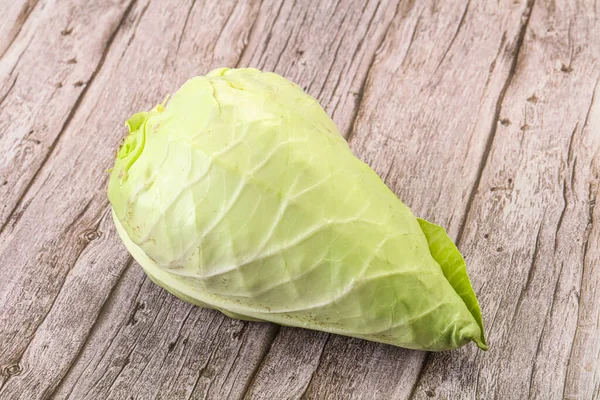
x: 241, y: 195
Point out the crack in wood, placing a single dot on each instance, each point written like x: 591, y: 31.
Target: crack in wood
x: 299, y: 52
x: 248, y: 37
x: 562, y: 213
x: 537, y: 351
x: 185, y: 358
x: 304, y: 394
x: 285, y: 45
x: 571, y: 164
x: 550, y: 313
x: 587, y: 234
x: 12, y: 85
x: 525, y: 17
x: 357, y: 49
x: 536, y: 253
x: 235, y: 358
x: 592, y: 204
x: 361, y: 91
x: 270, y: 34
x: 185, y: 22
x: 137, y: 342
x: 203, y: 369
x: 225, y: 24
x: 261, y: 362
x: 335, y: 56
x: 12, y: 70
x: 411, y: 40
x: 592, y: 101
x: 417, y: 379
x: 460, y: 24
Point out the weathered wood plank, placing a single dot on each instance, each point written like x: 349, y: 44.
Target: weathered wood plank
x: 431, y: 100
x: 533, y: 223
x: 53, y: 56
x: 130, y: 347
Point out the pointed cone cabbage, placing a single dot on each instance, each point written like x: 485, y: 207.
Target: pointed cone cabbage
x: 240, y: 195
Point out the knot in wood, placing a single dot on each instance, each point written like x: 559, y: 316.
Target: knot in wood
x: 13, y: 370
x: 92, y: 234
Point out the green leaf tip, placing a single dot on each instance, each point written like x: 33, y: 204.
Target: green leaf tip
x: 453, y: 265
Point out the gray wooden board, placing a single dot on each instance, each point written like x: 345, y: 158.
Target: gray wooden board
x: 482, y: 116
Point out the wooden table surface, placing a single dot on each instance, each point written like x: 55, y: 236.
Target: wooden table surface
x: 482, y: 116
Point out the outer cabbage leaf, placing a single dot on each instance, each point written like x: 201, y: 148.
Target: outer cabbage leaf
x: 241, y: 195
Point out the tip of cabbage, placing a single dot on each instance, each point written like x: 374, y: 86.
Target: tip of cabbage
x: 453, y: 265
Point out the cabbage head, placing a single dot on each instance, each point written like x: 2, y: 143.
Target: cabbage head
x: 241, y: 195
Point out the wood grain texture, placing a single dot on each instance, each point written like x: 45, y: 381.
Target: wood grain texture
x: 482, y: 116
x: 539, y: 184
